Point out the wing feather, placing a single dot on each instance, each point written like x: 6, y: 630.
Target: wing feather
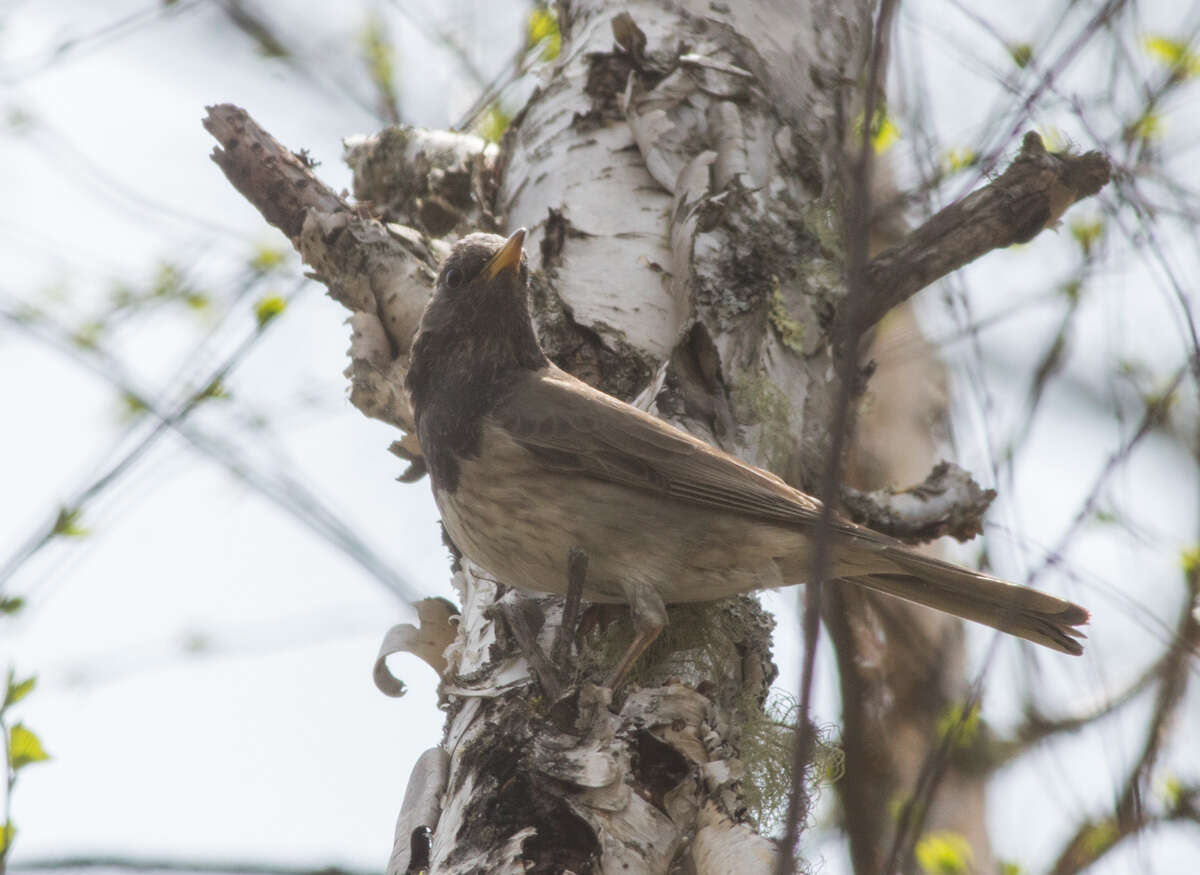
x: 577, y: 430
x: 573, y: 428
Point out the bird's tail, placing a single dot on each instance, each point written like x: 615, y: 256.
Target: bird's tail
x: 1017, y: 610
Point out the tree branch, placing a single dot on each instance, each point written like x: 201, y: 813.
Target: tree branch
x: 1093, y: 839
x: 381, y: 273
x: 278, y: 182
x: 1032, y: 194
x: 159, y: 864
x: 948, y: 502
x: 1038, y: 728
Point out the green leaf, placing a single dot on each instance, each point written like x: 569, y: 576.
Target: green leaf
x: 1021, y: 53
x: 953, y: 719
x: 197, y: 300
x: 131, y: 406
x: 1099, y: 837
x: 885, y: 135
x: 884, y: 132
x: 268, y: 308
x: 1148, y: 126
x: 67, y: 523
x: 24, y: 747
x: 1159, y: 404
x: 214, y: 391
x: 267, y: 259
x: 122, y: 295
x: 1172, y: 788
x: 1191, y: 560
x: 943, y: 853
x: 1175, y: 54
x: 493, y: 123
x: 543, y: 30
x: 11, y: 604
x: 379, y: 55
x: 8, y: 832
x: 17, y: 690
x: 167, y: 282
x: 959, y: 158
x: 88, y: 334
x: 1053, y: 138
x: 1008, y: 867
x: 1087, y: 232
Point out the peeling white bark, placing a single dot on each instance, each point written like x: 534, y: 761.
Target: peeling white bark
x: 439, y: 623
x: 422, y: 805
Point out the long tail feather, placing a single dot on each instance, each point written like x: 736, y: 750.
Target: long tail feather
x: 1017, y: 610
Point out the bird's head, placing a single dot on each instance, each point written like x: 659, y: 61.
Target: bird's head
x: 476, y: 326
x: 480, y: 266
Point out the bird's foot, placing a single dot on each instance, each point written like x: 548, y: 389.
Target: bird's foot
x: 552, y: 673
x: 649, y: 619
x: 577, y: 565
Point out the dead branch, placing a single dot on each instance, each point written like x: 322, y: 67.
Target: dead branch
x: 1032, y: 194
x: 278, y: 182
x: 948, y: 502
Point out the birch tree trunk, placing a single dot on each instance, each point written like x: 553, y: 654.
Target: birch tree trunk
x: 681, y: 196
x: 681, y: 171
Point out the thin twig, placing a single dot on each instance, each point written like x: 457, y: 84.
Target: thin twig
x: 152, y: 864
x: 1093, y: 839
x: 290, y: 495
x: 847, y: 337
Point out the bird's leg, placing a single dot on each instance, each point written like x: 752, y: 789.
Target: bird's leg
x: 551, y: 673
x: 577, y: 564
x: 517, y: 618
x: 649, y: 618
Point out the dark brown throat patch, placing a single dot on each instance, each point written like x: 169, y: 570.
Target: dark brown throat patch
x: 474, y: 345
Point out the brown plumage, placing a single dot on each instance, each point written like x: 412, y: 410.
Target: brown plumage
x: 527, y: 462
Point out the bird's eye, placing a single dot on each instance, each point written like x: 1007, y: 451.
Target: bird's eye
x: 453, y: 278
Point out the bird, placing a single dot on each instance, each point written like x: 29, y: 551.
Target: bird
x: 528, y: 463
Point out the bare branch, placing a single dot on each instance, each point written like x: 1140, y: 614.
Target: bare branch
x: 381, y: 273
x: 158, y: 864
x: 1093, y: 839
x: 847, y: 336
x: 1032, y: 194
x: 948, y: 502
x: 1038, y: 727
x: 288, y: 493
x: 279, y: 183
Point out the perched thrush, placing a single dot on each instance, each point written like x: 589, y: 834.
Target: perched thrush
x: 528, y: 462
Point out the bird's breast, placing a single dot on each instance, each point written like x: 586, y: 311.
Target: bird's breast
x: 518, y: 519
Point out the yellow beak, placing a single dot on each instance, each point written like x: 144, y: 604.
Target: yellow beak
x: 508, y: 258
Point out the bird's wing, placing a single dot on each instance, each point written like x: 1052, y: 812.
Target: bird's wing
x: 573, y: 428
